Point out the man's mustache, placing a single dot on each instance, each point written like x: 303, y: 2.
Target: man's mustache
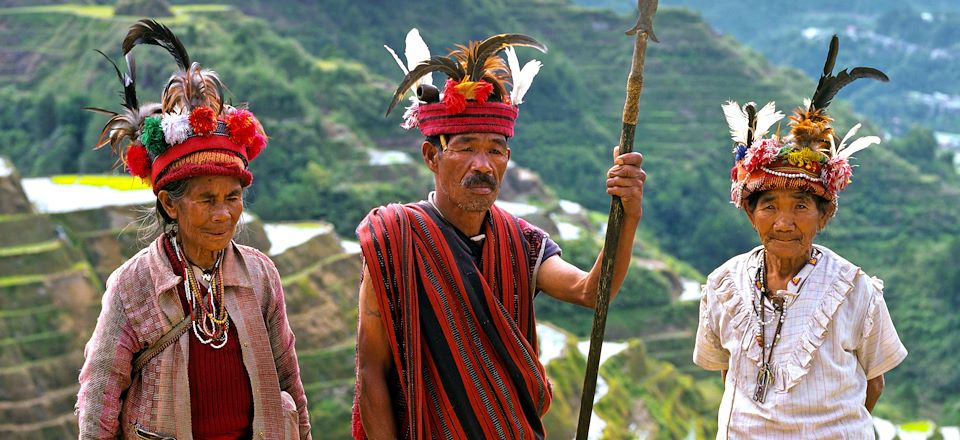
x: 479, y: 179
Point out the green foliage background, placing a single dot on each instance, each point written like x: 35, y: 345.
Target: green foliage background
x: 317, y: 76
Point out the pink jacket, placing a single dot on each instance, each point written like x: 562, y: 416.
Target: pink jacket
x: 140, y: 305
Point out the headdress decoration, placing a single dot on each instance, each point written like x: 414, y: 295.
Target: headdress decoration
x: 811, y: 156
x: 474, y: 98
x: 191, y: 132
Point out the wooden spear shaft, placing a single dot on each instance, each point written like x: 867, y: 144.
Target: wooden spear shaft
x: 631, y: 110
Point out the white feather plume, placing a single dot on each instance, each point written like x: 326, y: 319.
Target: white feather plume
x: 522, y: 77
x: 853, y: 130
x: 766, y: 117
x: 737, y: 121
x: 416, y: 53
x: 512, y: 62
x: 845, y: 151
x: 397, y: 58
x: 857, y: 145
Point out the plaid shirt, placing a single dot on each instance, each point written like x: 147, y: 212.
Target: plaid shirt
x: 140, y: 305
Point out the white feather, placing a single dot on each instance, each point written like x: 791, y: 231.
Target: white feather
x: 512, y: 62
x: 737, y: 120
x: 523, y: 81
x: 858, y: 145
x: 522, y: 77
x: 853, y: 131
x: 416, y: 53
x: 766, y: 117
x: 397, y: 58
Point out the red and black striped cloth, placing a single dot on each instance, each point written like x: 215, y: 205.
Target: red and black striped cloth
x: 463, y: 338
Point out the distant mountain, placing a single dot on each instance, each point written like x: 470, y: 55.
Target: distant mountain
x: 917, y: 43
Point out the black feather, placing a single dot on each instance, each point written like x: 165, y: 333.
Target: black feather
x: 831, y: 56
x: 830, y: 84
x: 101, y: 110
x: 436, y: 64
x: 751, y: 111
x: 113, y: 63
x: 151, y: 32
x: 492, y: 46
x: 833, y: 84
x: 127, y: 80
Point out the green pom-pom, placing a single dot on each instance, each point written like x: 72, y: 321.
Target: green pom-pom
x: 783, y: 151
x: 152, y: 136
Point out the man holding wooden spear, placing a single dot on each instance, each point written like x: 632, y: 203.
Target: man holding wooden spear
x: 447, y: 344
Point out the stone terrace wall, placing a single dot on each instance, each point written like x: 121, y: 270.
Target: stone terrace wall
x: 52, y: 273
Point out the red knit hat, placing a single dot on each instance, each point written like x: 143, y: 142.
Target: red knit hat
x: 191, y: 132
x: 489, y: 117
x: 474, y: 99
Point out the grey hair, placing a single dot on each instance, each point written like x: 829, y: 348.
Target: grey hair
x: 155, y: 220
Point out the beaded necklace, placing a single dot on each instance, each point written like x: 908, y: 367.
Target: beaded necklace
x: 765, y: 374
x: 208, y: 315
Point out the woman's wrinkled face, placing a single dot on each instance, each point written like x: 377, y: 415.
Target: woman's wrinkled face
x: 208, y: 213
x: 787, y: 220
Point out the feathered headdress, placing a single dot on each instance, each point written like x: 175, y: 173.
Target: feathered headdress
x: 474, y: 98
x: 811, y: 157
x: 190, y: 132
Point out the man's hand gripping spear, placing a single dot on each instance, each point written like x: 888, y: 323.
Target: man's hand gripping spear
x: 642, y: 30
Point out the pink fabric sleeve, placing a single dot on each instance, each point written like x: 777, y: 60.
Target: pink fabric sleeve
x: 106, y: 369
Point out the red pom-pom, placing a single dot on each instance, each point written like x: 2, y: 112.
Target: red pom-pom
x: 482, y: 91
x: 138, y: 161
x: 203, y: 120
x: 242, y: 126
x: 256, y: 146
x: 453, y: 100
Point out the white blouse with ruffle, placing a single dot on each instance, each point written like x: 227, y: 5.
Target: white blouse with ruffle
x: 837, y: 334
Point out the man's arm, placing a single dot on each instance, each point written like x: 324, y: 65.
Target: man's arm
x: 565, y: 281
x: 874, y: 389
x: 374, y: 360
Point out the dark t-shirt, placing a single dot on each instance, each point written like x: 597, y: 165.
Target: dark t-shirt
x: 535, y: 238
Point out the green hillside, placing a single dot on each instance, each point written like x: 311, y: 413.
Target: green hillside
x: 917, y: 43
x: 318, y: 78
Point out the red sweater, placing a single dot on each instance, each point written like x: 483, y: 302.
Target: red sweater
x: 221, y: 399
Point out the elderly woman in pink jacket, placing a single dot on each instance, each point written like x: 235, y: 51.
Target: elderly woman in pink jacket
x: 192, y: 340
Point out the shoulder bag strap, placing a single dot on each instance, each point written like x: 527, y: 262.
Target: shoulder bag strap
x: 152, y: 351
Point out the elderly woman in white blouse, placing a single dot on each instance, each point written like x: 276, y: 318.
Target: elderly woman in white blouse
x: 801, y: 336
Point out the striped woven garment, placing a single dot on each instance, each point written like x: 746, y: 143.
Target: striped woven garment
x: 463, y: 340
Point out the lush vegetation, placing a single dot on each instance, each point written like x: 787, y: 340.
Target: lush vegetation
x: 917, y: 43
x: 319, y: 80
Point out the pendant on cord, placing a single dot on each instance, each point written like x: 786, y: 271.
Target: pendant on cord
x: 764, y: 378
